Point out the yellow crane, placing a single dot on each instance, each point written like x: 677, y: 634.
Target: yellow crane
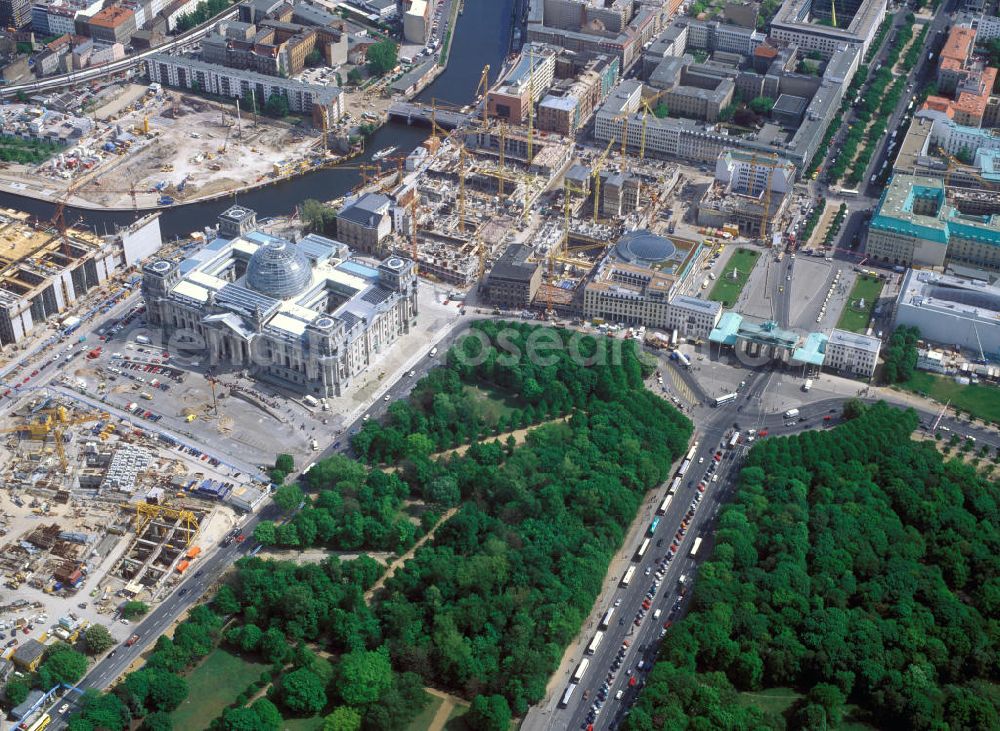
x: 413, y: 232
x: 482, y: 92
x: 770, y: 162
x: 598, y: 166
x: 954, y: 163
x: 531, y: 100
x: 461, y: 187
x: 54, y: 422
x: 647, y: 105
x: 503, y: 146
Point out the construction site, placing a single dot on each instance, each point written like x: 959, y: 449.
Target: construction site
x: 96, y: 511
x: 491, y: 184
x: 158, y: 147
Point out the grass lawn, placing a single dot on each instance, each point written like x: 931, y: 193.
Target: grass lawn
x: 983, y: 402
x: 852, y: 318
x: 214, y: 685
x: 780, y: 700
x: 490, y: 404
x: 424, y: 718
x: 772, y: 700
x: 726, y: 288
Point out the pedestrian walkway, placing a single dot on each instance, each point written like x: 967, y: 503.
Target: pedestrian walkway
x: 407, y: 556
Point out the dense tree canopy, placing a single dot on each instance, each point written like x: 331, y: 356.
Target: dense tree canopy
x: 382, y: 57
x: 489, y: 606
x: 855, y: 566
x: 97, y: 639
x: 62, y: 664
x: 901, y: 356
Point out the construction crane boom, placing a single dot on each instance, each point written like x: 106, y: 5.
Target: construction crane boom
x: 484, y: 85
x: 461, y: 187
x: 598, y: 166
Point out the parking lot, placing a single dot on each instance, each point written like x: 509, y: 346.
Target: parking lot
x: 248, y: 420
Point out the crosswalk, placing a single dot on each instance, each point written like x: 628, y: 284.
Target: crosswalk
x: 680, y: 388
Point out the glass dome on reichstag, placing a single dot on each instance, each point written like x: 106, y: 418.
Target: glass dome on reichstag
x: 278, y: 269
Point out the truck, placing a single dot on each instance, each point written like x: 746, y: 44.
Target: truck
x: 131, y: 640
x: 310, y: 401
x: 807, y: 385
x: 791, y: 413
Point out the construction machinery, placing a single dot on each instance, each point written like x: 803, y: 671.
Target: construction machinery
x: 647, y: 107
x: 461, y: 187
x: 54, y: 422
x: 187, y: 521
x: 482, y: 92
x: 413, y: 232
x: 954, y: 165
x: 770, y: 162
x: 531, y: 101
x: 598, y: 166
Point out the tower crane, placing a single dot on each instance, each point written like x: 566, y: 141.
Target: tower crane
x: 647, y: 105
x: 461, y: 187
x: 503, y: 148
x: 598, y: 166
x: 54, y: 422
x: 483, y: 91
x: 531, y: 100
x: 954, y: 163
x: 413, y: 232
x: 770, y: 162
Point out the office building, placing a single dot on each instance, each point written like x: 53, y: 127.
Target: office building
x: 304, y: 315
x: 56, y: 17
x: 809, y: 24
x: 513, y: 281
x: 916, y: 225
x: 951, y: 311
x: 851, y: 353
x: 523, y: 85
x: 43, y: 273
x: 15, y: 13
x: 365, y: 222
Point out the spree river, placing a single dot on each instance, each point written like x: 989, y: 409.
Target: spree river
x: 482, y: 37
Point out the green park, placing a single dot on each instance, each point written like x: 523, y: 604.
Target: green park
x: 860, y: 303
x: 734, y: 276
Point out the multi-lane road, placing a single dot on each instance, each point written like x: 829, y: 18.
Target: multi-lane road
x: 643, y: 639
x: 713, y: 426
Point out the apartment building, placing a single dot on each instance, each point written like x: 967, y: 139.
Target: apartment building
x: 179, y: 71
x: 114, y: 24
